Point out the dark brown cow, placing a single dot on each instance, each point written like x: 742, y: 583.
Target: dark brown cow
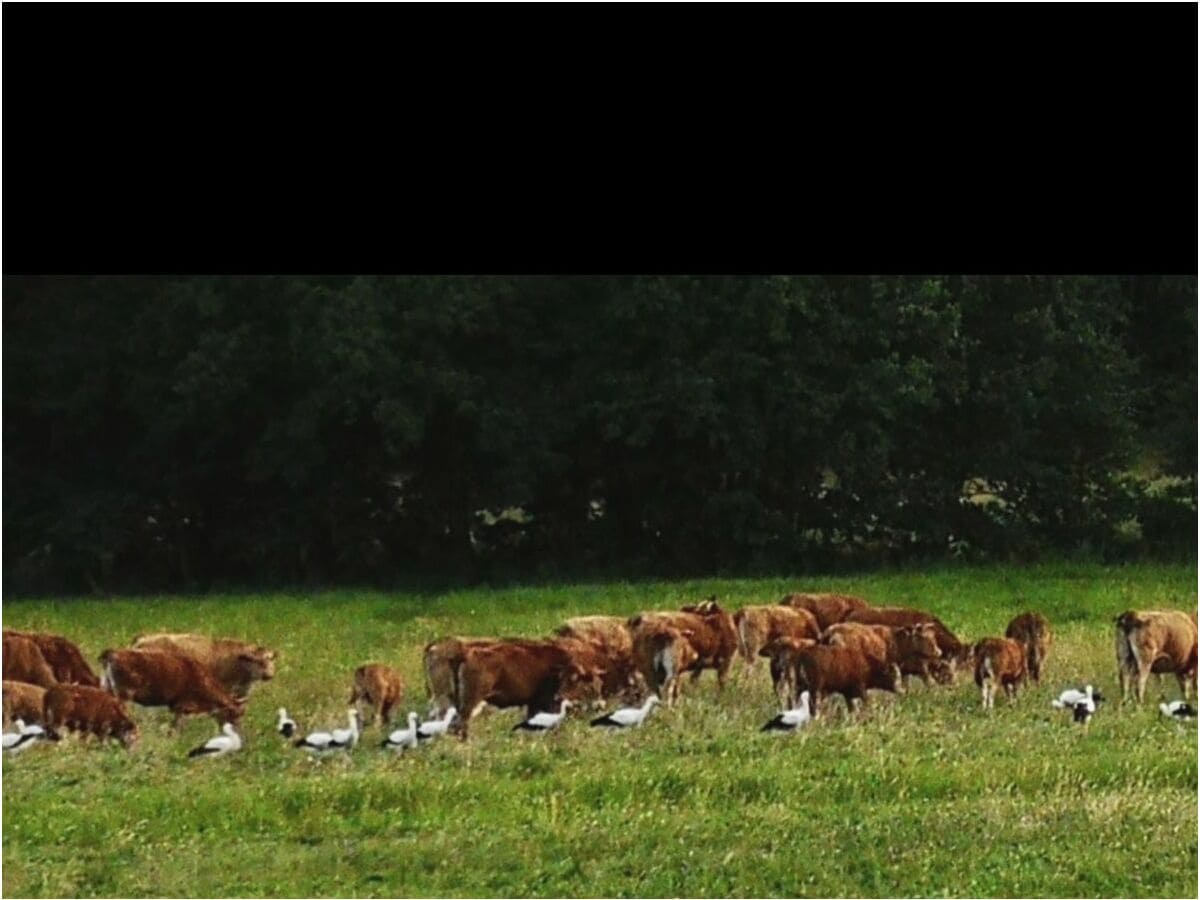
x: 24, y: 661
x: 533, y: 674
x: 23, y: 701
x: 63, y: 657
x: 822, y: 669
x: 90, y: 710
x: 1031, y: 631
x: 178, y: 682
x: 782, y: 653
x: 829, y: 609
x: 954, y: 651
x: 999, y: 662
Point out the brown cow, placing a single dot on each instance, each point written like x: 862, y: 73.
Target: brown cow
x: 1031, y: 631
x: 535, y: 674
x: 613, y: 641
x: 913, y: 648
x: 999, y: 662
x: 381, y: 687
x: 24, y: 701
x: 236, y: 664
x: 90, y: 710
x: 662, y: 654
x: 24, y: 661
x: 707, y: 627
x: 829, y: 609
x: 822, y: 669
x: 782, y: 653
x: 441, y: 661
x: 758, y: 626
x: 178, y: 682
x: 954, y: 652
x: 1155, y: 641
x: 63, y: 657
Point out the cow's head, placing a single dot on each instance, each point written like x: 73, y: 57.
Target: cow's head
x: 258, y: 664
x: 919, y: 641
x: 127, y: 733
x: 581, y: 683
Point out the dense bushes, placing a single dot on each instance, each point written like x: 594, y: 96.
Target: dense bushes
x: 189, y: 432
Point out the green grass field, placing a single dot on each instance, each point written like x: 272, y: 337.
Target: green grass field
x: 922, y: 795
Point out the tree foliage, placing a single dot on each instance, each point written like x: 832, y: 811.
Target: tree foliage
x: 194, y: 432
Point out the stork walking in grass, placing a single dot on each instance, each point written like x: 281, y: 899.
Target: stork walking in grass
x: 326, y: 742
x: 26, y: 736
x: 227, y: 742
x: 427, y: 731
x: 404, y: 738
x: 792, y: 719
x: 627, y: 716
x: 1177, y: 709
x: 286, y: 725
x: 544, y: 721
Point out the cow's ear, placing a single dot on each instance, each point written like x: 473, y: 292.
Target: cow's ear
x: 687, y: 632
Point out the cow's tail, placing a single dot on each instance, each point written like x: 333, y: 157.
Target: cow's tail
x: 664, y: 659
x: 106, y: 672
x: 742, y: 623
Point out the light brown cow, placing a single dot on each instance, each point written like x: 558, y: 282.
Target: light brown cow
x: 90, y: 710
x: 999, y: 662
x: 913, y: 648
x: 1032, y: 631
x: 24, y: 701
x: 612, y: 640
x: 829, y: 609
x: 236, y: 664
x: 707, y: 627
x: 381, y: 687
x: 63, y: 657
x: 662, y: 654
x: 758, y: 626
x: 24, y: 661
x: 1155, y: 641
x: 441, y: 661
x: 174, y: 680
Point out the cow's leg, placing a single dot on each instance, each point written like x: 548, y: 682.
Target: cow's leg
x: 723, y: 672
x: 385, y: 711
x: 1143, y: 675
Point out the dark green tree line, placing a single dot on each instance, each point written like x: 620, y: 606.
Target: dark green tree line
x: 168, y: 433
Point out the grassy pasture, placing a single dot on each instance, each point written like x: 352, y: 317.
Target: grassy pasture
x: 922, y: 796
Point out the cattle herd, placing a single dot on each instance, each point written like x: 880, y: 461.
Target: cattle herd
x: 816, y: 646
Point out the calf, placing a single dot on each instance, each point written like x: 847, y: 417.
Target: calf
x: 91, y: 711
x: 1031, y: 631
x: 999, y: 662
x: 63, y: 657
x: 24, y: 661
x: 828, y: 609
x: 758, y: 626
x: 178, y: 682
x: 913, y: 648
x: 954, y: 652
x: 381, y: 687
x: 822, y: 669
x: 782, y: 653
x: 237, y: 665
x: 24, y: 701
x: 1155, y: 641
x: 533, y: 674
x: 662, y: 654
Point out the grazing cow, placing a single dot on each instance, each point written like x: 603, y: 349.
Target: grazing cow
x: 442, y: 658
x: 91, y: 711
x: 999, y: 662
x: 1032, y: 631
x: 822, y: 669
x: 381, y: 687
x: 24, y: 661
x: 236, y: 664
x: 662, y: 654
x: 913, y: 648
x: 829, y: 609
x: 954, y: 652
x: 707, y: 627
x: 535, y: 674
x: 782, y: 653
x: 23, y: 701
x: 178, y: 682
x: 1155, y: 641
x: 63, y: 657
x: 613, y: 641
x: 758, y: 626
